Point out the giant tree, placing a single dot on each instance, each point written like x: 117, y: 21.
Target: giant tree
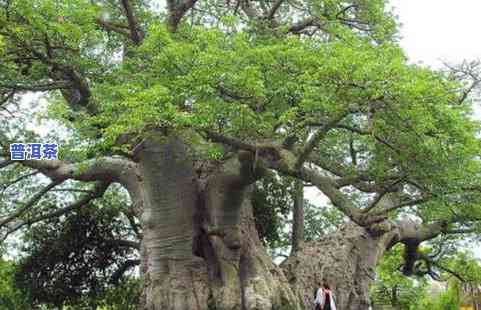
x: 186, y: 104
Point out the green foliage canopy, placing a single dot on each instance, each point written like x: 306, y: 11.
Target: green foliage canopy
x: 387, y: 125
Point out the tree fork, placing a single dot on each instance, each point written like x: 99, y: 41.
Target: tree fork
x: 193, y: 254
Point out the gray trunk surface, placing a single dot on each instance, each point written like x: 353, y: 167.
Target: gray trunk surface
x: 201, y: 249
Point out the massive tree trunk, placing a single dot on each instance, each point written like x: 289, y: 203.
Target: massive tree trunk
x: 345, y: 259
x: 201, y: 249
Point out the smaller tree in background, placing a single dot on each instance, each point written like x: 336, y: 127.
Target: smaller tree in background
x: 458, y: 271
x: 393, y: 288
x: 448, y: 300
x: 468, y: 282
x: 10, y: 296
x: 273, y: 206
x: 81, y: 260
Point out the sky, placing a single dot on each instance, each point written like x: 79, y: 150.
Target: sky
x: 433, y: 31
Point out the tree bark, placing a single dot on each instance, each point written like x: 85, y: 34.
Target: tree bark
x: 298, y: 217
x: 201, y: 250
x: 169, y: 199
x: 193, y: 255
x: 345, y: 259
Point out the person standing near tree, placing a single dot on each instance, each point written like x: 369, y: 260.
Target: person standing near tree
x: 324, y: 297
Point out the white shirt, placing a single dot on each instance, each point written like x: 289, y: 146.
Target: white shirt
x: 321, y: 298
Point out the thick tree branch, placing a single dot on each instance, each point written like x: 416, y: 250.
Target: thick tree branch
x: 251, y: 12
x: 413, y: 265
x: 411, y: 232
x: 118, y: 274
x: 401, y: 205
x: 177, y: 9
x: 124, y: 243
x: 381, y: 194
x: 37, y: 87
x: 120, y: 29
x: 135, y: 34
x: 377, y: 199
x: 105, y: 169
x: 79, y: 93
x: 237, y: 144
x: 275, y: 7
x: 303, y: 24
x: 337, y: 198
x: 316, y: 137
x: 361, y: 180
x: 283, y: 161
